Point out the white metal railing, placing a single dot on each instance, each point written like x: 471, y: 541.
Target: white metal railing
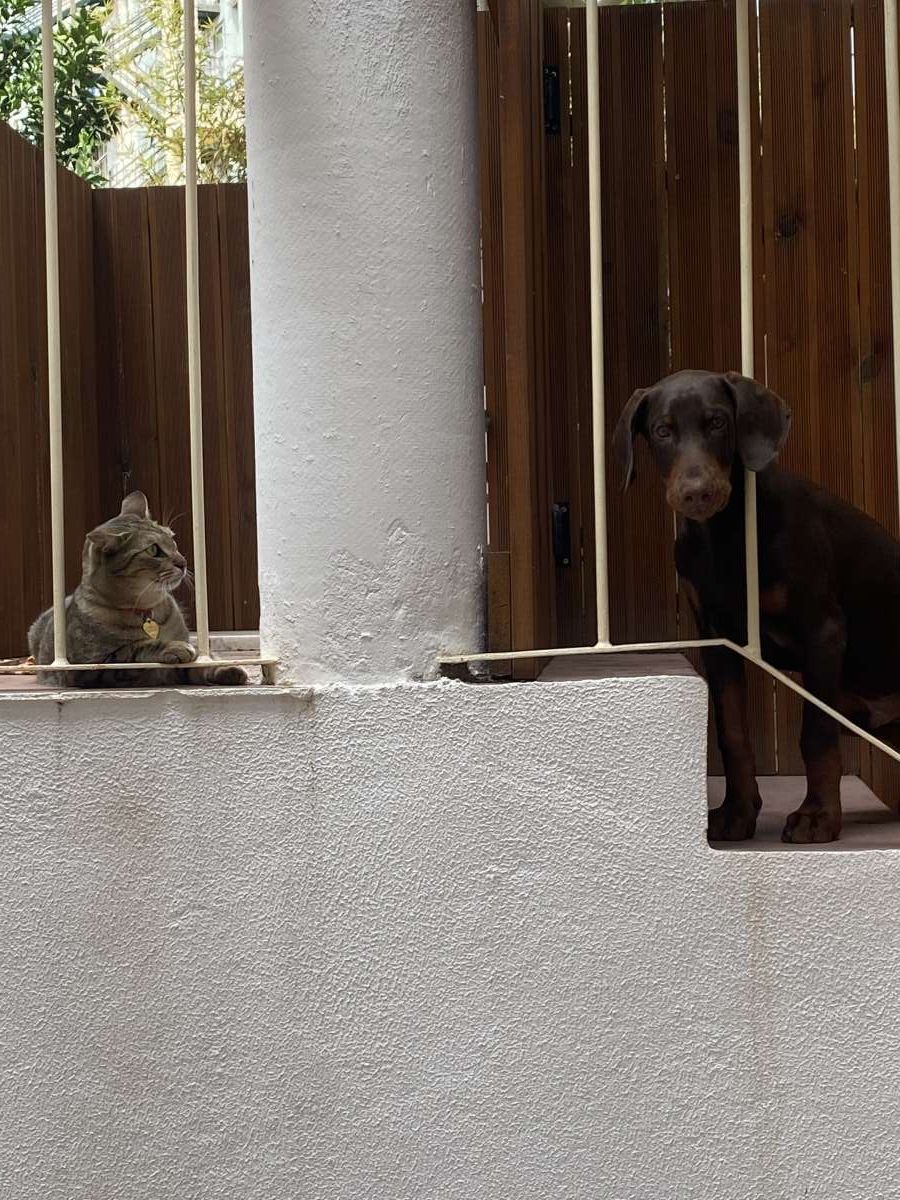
x: 752, y: 650
x: 61, y: 661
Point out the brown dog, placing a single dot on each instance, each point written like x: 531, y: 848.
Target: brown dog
x: 829, y: 583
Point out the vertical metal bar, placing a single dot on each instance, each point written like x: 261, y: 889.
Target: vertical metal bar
x: 598, y: 398
x: 54, y: 370
x: 193, y: 325
x: 745, y: 188
x: 892, y: 97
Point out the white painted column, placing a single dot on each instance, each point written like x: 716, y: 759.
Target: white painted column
x: 364, y: 224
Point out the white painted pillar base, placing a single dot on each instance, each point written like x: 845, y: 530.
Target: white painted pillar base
x: 362, y: 147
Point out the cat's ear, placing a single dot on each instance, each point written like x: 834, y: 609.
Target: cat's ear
x: 136, y: 505
x: 104, y: 539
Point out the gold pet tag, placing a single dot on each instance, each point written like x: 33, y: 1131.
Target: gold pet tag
x: 151, y: 628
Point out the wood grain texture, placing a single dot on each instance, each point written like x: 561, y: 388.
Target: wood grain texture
x: 521, y: 173
x: 642, y: 573
x: 234, y: 274
x: 876, y: 350
x: 704, y: 245
x: 809, y: 214
x: 24, y: 492
x: 124, y: 379
x: 566, y: 487
x: 669, y: 161
x: 498, y: 598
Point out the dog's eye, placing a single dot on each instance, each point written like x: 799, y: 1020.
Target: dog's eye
x: 154, y: 550
x: 717, y: 421
x: 662, y: 432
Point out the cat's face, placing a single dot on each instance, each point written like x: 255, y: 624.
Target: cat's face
x: 132, y: 558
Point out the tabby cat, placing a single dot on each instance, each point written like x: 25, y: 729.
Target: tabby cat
x: 123, y: 609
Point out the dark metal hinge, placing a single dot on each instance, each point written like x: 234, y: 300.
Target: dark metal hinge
x: 562, y: 535
x: 551, y: 99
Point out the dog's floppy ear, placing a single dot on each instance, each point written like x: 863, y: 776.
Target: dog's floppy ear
x: 627, y: 430
x: 762, y: 421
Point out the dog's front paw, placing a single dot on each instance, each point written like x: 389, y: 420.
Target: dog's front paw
x: 812, y: 823
x: 731, y: 823
x: 227, y: 676
x: 177, y: 652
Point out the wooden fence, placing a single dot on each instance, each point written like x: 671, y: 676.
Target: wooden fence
x: 671, y: 277
x: 125, y: 403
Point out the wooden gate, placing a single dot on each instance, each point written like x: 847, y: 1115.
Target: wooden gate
x: 669, y: 158
x: 124, y: 370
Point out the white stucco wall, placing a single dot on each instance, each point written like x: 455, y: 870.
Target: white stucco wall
x: 364, y: 234
x: 435, y: 941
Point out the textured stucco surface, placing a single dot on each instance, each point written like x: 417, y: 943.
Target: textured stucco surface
x: 429, y: 941
x: 364, y: 228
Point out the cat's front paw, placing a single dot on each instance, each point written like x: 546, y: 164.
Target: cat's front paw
x: 177, y: 652
x: 228, y: 676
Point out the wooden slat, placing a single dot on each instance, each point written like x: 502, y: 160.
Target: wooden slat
x: 167, y: 257
x: 704, y: 246
x: 498, y: 598
x: 86, y: 331
x: 227, y: 393
x: 702, y: 146
x: 499, y: 632
x: 519, y: 43
x: 216, y: 472
x: 543, y: 582
x: 642, y: 573
x: 234, y: 257
x: 811, y: 265
x: 876, y: 366
x: 515, y: 158
x: 561, y: 359
x: 14, y: 382
x: 35, y: 439
x: 110, y: 416
x: 77, y: 363
x: 126, y: 346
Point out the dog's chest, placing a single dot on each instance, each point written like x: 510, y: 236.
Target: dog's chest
x: 773, y: 608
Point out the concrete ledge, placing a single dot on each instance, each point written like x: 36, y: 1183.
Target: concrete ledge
x: 353, y: 946
x: 437, y: 941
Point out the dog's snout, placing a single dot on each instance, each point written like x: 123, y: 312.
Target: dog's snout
x: 696, y: 494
